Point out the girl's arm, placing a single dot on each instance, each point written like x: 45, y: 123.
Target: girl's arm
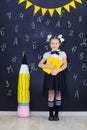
x: 64, y: 66
x: 42, y: 65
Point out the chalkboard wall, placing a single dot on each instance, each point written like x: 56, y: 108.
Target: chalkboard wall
x: 22, y: 32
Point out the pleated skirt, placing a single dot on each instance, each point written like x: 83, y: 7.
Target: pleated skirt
x: 56, y: 83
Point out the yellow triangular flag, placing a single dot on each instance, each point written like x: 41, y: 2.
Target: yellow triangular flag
x: 36, y: 9
x: 59, y: 10
x: 79, y: 1
x: 51, y: 11
x: 72, y: 4
x: 28, y: 4
x: 21, y: 1
x: 44, y: 10
x: 67, y: 7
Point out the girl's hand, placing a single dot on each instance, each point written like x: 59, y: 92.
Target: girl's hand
x: 55, y: 72
x: 50, y: 66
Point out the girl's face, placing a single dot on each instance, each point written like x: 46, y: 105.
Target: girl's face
x: 54, y: 44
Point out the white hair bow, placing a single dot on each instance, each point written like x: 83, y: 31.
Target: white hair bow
x: 48, y: 37
x: 59, y: 36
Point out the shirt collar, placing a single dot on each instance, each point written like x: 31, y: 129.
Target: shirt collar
x: 56, y: 50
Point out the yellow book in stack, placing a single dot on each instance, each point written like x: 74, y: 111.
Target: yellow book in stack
x: 55, y: 62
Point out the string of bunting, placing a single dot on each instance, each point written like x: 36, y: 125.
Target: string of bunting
x: 37, y: 8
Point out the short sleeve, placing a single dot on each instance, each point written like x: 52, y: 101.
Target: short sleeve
x: 46, y: 55
x: 64, y: 54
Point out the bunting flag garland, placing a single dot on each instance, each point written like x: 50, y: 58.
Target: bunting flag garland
x: 37, y: 8
x: 28, y: 4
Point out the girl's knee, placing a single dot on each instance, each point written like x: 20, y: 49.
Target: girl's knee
x: 51, y: 95
x: 58, y: 95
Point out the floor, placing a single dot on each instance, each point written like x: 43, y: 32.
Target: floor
x: 41, y: 123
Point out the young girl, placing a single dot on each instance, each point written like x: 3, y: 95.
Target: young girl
x: 54, y: 82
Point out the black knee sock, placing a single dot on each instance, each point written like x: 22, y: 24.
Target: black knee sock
x: 50, y: 107
x: 57, y: 107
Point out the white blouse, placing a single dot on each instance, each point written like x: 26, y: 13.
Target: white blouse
x: 61, y: 55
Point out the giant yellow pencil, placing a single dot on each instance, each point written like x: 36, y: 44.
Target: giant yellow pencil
x: 24, y: 90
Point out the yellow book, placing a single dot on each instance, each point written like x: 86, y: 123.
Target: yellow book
x: 55, y: 62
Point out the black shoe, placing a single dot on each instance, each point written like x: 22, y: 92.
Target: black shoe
x: 50, y: 118
x: 55, y: 118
